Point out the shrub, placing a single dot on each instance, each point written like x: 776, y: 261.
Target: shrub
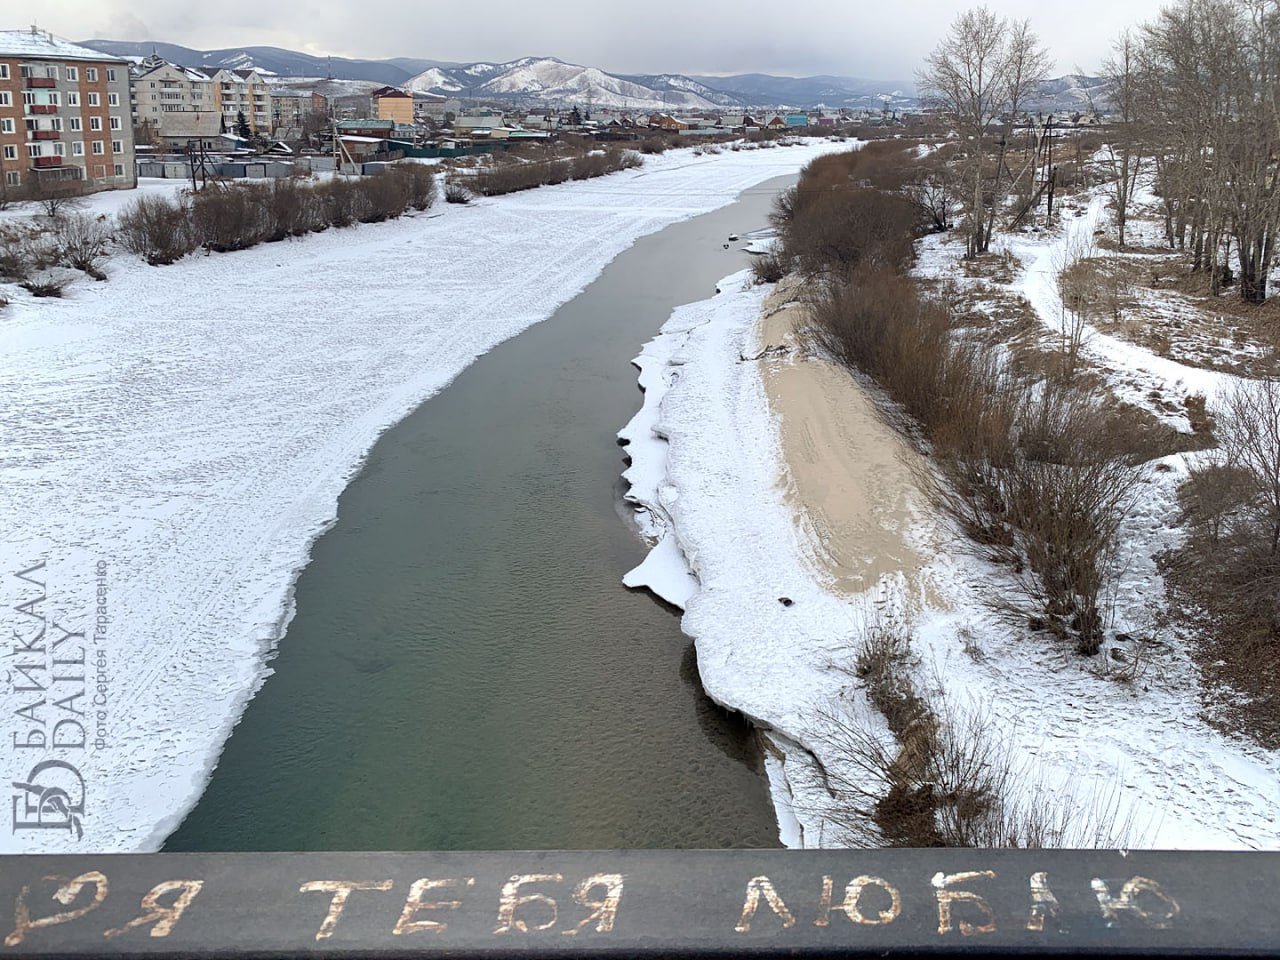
x: 418, y: 183
x: 848, y: 226
x: 944, y: 779
x: 340, y: 200
x: 293, y: 208
x: 769, y: 267
x: 82, y: 242
x: 455, y: 192
x: 1233, y: 505
x: 383, y: 196
x: 157, y: 229
x: 48, y: 287
x: 25, y: 249
x: 1036, y: 474
x: 229, y: 217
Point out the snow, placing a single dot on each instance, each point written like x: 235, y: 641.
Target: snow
x: 27, y: 43
x: 432, y: 79
x: 1111, y: 748
x: 192, y: 427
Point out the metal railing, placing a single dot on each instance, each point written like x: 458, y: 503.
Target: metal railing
x: 643, y: 903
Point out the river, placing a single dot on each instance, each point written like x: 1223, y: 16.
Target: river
x: 465, y: 669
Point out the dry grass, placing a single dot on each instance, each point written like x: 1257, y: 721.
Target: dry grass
x: 944, y: 779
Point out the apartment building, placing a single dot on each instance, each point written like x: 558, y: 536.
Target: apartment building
x: 292, y: 110
x: 159, y: 89
x: 247, y: 92
x: 64, y: 115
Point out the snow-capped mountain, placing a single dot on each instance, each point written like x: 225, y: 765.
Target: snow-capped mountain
x: 546, y: 79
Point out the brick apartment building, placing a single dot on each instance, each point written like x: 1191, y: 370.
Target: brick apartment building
x: 64, y: 115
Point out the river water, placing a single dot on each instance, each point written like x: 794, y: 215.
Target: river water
x: 465, y: 669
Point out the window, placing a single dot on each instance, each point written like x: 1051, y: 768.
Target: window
x: 73, y: 73
x: 6, y: 98
x: 33, y: 149
x: 6, y: 125
x: 119, y: 169
x: 76, y: 124
x: 77, y: 148
x: 153, y: 84
x: 98, y: 148
x: 11, y: 178
x: 59, y: 149
x: 95, y: 123
x: 73, y: 99
x: 10, y: 151
x: 55, y: 98
x: 115, y: 124
x: 93, y: 100
x: 91, y: 74
x: 28, y: 97
x: 117, y: 146
x: 55, y: 123
x: 113, y: 99
x: 111, y: 75
x: 4, y: 71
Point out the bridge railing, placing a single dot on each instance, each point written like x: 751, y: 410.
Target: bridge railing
x: 642, y: 903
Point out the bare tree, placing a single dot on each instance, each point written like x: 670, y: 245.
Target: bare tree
x: 1028, y: 66
x: 979, y: 70
x: 1124, y: 80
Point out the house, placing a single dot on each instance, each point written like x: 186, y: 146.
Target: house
x: 796, y: 120
x: 392, y: 103
x: 64, y: 115
x: 664, y: 121
x: 470, y: 125
x: 378, y: 129
x: 776, y: 123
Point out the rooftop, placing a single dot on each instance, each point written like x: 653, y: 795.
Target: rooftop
x: 38, y: 43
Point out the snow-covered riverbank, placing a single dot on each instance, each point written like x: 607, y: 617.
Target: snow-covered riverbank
x: 174, y: 439
x: 1104, y: 741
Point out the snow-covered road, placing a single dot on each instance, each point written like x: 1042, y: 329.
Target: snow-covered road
x: 173, y: 440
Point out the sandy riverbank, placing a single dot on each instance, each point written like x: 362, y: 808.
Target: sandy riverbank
x: 848, y: 475
x: 789, y: 520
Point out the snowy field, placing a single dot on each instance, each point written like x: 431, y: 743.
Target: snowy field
x: 1117, y: 738
x: 175, y: 438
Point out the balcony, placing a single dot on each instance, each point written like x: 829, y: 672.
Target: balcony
x: 44, y: 134
x: 41, y: 108
x: 39, y: 162
x: 41, y: 83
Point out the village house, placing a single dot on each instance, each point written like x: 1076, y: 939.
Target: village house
x: 64, y: 116
x: 478, y: 125
x: 664, y: 121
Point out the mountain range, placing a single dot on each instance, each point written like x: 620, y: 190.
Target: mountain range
x: 547, y: 80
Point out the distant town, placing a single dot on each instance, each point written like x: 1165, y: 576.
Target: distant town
x: 75, y: 119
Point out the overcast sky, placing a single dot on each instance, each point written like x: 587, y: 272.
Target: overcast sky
x: 862, y: 38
